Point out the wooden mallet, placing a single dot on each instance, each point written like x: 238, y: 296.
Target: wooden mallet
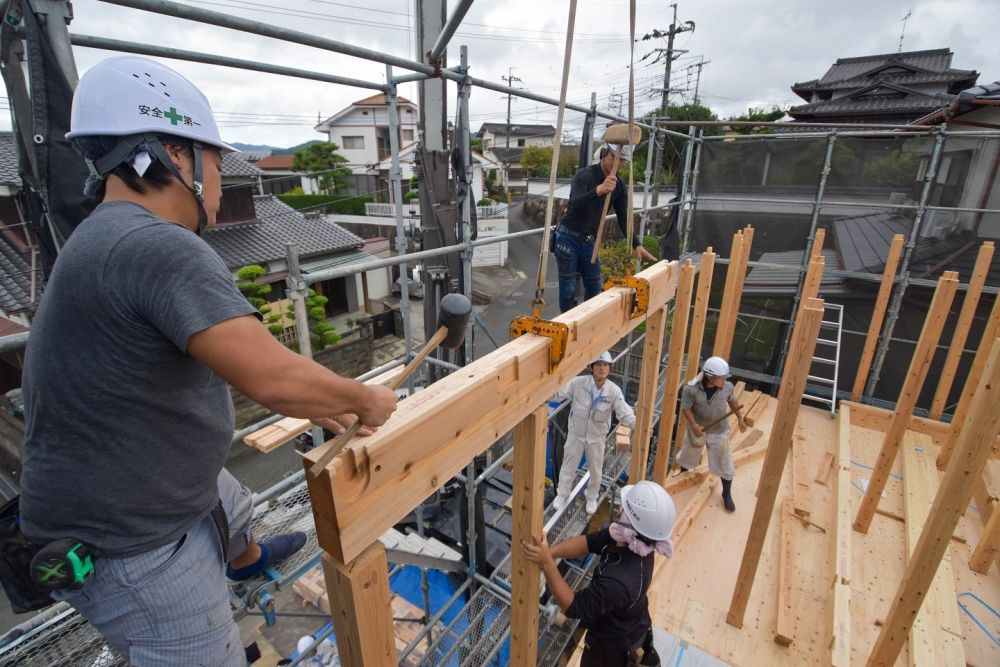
x: 617, y: 135
x: 453, y: 319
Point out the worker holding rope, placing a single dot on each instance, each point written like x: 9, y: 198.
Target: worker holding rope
x: 577, y: 231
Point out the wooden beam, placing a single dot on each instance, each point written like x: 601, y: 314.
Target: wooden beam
x: 362, y: 608
x: 693, y: 507
x: 693, y: 360
x: 937, y: 315
x: 878, y: 316
x: 817, y: 245
x: 784, y: 632
x: 793, y: 381
x: 839, y: 602
x: 652, y: 351
x: 275, y: 435
x: 813, y: 280
x: 991, y: 331
x: 825, y: 465
x: 432, y: 436
x: 528, y: 507
x: 672, y: 379
x: 705, y: 272
x: 966, y: 465
x: 936, y: 635
x: 750, y: 438
x: 730, y: 299
x: 961, y: 330
x: 989, y: 545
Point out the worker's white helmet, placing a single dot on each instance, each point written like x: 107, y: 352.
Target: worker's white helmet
x: 129, y: 95
x: 605, y: 357
x: 624, y: 156
x: 716, y: 367
x: 650, y: 510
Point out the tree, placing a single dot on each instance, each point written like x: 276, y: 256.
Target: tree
x: 321, y: 161
x: 757, y: 115
x: 255, y: 293
x: 673, y: 148
x: 322, y: 333
x: 537, y: 162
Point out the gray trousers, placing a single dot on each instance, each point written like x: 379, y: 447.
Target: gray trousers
x: 170, y: 605
x: 720, y: 456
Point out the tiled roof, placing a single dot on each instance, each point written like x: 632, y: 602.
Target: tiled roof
x: 765, y: 281
x: 378, y: 100
x: 904, y: 78
x: 518, y: 130
x: 236, y: 164
x: 8, y: 160
x: 508, y: 155
x: 278, y: 224
x: 283, y: 162
x: 867, y: 102
x: 932, y: 60
x: 15, y: 281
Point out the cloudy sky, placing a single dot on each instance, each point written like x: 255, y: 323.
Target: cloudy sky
x: 756, y: 51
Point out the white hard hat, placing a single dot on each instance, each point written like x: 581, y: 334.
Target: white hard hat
x: 129, y: 95
x: 605, y: 357
x: 624, y: 156
x: 716, y: 366
x: 650, y: 509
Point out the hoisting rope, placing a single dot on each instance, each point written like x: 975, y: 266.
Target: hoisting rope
x: 543, y: 257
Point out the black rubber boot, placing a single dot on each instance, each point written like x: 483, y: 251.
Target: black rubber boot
x: 727, y: 496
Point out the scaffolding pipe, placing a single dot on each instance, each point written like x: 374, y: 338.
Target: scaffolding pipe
x: 454, y: 21
x: 397, y: 197
x: 298, y: 290
x: 693, y: 203
x: 92, y: 42
x: 464, y: 90
x: 903, y: 276
x: 792, y: 125
x: 824, y: 175
x: 222, y: 20
x: 850, y: 204
x: 404, y: 654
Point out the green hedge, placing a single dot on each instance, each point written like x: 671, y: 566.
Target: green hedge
x: 346, y: 204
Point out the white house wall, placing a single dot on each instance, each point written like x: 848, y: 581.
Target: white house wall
x: 980, y: 170
x: 364, y: 122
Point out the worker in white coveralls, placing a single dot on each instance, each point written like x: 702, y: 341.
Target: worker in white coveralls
x: 705, y: 401
x: 594, y: 398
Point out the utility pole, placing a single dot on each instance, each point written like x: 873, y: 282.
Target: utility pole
x: 674, y: 30
x: 510, y: 79
x: 615, y: 101
x: 697, y: 81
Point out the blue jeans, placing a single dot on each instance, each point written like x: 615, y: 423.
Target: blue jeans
x: 573, y: 260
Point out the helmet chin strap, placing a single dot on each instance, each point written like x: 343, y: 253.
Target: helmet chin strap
x: 128, y: 146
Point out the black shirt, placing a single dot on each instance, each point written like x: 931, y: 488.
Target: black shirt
x: 583, y: 214
x: 613, y: 608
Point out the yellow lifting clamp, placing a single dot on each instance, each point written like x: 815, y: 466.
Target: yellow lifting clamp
x: 640, y: 303
x: 558, y: 332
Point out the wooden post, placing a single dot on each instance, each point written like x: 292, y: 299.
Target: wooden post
x: 839, y: 601
x: 705, y: 272
x: 528, y: 507
x: 793, y: 383
x: 989, y: 545
x: 784, y: 632
x: 671, y: 383
x: 991, y: 331
x: 976, y: 283
x: 652, y: 350
x: 361, y: 607
x: 937, y: 315
x: 814, y: 278
x: 817, y: 246
x: 726, y: 321
x: 878, y: 316
x: 966, y: 465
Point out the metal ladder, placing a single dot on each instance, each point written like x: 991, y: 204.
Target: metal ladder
x: 825, y: 365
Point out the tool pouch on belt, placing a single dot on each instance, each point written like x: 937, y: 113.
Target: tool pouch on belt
x: 16, y: 553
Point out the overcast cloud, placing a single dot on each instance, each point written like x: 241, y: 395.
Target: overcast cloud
x: 757, y: 51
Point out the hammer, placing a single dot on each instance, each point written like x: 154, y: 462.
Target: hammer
x: 453, y: 318
x: 618, y: 135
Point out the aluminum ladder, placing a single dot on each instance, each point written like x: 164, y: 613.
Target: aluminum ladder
x: 825, y: 367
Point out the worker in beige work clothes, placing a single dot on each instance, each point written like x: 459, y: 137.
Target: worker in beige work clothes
x: 704, y: 400
x: 594, y: 398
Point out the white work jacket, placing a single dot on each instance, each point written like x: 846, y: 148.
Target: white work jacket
x: 591, y: 408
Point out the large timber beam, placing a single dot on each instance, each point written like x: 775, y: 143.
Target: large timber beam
x: 878, y: 316
x: 652, y: 350
x: 964, y: 468
x: 937, y: 315
x: 377, y: 480
x: 793, y: 381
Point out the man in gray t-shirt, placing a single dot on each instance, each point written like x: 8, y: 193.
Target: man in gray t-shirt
x: 128, y: 414
x: 705, y: 401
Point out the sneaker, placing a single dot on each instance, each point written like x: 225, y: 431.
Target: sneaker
x: 591, y: 506
x: 272, y: 551
x: 559, y: 502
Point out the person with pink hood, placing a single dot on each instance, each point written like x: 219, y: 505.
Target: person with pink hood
x: 613, y: 608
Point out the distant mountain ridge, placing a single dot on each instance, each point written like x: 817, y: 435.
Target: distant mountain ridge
x: 274, y: 150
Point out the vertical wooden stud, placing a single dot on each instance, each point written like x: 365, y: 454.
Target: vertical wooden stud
x: 361, y: 607
x: 937, y: 315
x: 652, y: 350
x: 726, y: 321
x: 878, y: 316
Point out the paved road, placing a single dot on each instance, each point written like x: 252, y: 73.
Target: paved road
x: 522, y: 256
